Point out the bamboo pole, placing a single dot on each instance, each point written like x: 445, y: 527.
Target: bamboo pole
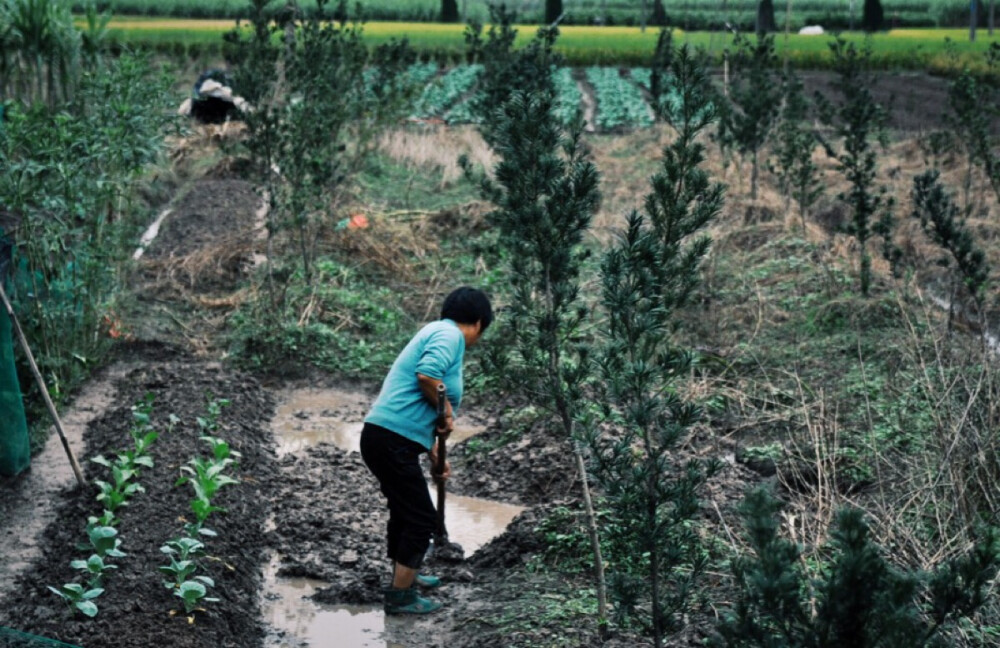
x: 41, y: 384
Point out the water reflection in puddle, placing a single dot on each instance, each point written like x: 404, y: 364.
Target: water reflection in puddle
x: 304, y: 418
x: 310, y: 416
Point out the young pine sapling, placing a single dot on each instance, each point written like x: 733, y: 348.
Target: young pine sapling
x: 939, y: 217
x: 750, y: 114
x: 546, y: 193
x: 860, y: 600
x: 646, y: 277
x: 798, y: 175
x: 859, y: 121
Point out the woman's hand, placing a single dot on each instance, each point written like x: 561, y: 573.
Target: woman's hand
x: 446, y: 425
x: 434, y: 465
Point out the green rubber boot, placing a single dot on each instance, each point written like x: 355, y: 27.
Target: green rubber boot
x: 408, y: 602
x: 427, y: 581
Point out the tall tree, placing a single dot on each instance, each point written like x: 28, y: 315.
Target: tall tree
x: 546, y: 193
x: 973, y: 19
x: 646, y: 277
x: 553, y: 11
x: 873, y: 16
x: 765, y: 17
x: 659, y: 17
x: 449, y: 11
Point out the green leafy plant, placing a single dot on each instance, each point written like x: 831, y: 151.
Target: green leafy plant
x: 94, y: 567
x: 104, y: 541
x: 78, y: 597
x: 195, y: 592
x: 183, y: 548
x: 179, y: 571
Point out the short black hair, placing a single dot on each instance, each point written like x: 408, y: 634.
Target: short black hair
x: 468, y: 305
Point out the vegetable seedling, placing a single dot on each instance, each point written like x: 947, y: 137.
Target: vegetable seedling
x: 94, y: 566
x: 79, y: 598
x: 206, y: 476
x: 179, y: 570
x: 194, y: 592
x: 104, y: 540
x: 183, y: 548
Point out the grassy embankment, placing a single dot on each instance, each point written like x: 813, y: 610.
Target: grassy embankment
x: 936, y: 50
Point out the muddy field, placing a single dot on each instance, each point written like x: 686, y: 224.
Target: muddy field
x: 306, y: 518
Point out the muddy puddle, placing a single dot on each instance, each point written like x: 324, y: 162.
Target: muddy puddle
x: 310, y: 416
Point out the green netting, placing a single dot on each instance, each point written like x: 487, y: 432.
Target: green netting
x: 15, y: 452
x: 10, y: 638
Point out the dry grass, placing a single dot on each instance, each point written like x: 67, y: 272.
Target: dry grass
x: 437, y: 147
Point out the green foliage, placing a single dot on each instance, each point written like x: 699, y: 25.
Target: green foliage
x: 646, y: 277
x: 545, y: 189
x: 860, y: 599
x: 619, y: 102
x: 749, y: 116
x: 39, y: 51
x: 973, y: 110
x: 798, y: 175
x: 939, y: 218
x: 442, y: 94
x: 859, y: 121
x: 309, y: 141
x: 194, y: 592
x: 507, y: 71
x: 70, y: 175
x: 78, y: 597
x: 353, y: 330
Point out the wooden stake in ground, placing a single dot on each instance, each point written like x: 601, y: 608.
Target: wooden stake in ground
x: 42, y: 387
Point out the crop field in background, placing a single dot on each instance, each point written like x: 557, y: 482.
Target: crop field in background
x: 690, y: 14
x: 935, y: 50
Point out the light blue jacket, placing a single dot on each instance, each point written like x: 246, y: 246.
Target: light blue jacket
x: 436, y: 351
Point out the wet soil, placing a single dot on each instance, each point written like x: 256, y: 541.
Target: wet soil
x: 136, y: 609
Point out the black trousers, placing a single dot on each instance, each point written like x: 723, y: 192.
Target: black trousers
x: 394, y: 460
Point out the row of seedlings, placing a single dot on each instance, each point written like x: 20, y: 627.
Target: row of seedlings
x: 206, y: 475
x: 619, y: 101
x: 446, y: 91
x: 103, y: 542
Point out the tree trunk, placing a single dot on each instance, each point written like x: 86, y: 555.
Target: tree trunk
x: 449, y: 11
x: 753, y: 177
x: 765, y: 17
x: 973, y: 19
x: 642, y: 18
